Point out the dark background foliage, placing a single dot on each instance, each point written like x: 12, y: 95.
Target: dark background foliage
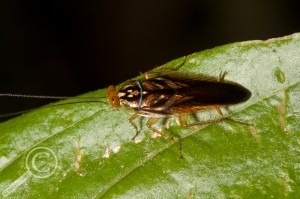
x: 64, y: 47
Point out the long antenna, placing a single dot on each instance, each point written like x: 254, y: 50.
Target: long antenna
x: 43, y: 96
x: 91, y: 99
x: 49, y: 106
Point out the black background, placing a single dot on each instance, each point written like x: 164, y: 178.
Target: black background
x: 65, y: 47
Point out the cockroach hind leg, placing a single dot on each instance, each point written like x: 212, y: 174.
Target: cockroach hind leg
x: 238, y: 122
x: 153, y: 120
x: 249, y: 125
x: 179, y: 147
x: 166, y: 122
x: 194, y: 116
x: 222, y: 76
x: 206, y: 122
x: 220, y: 120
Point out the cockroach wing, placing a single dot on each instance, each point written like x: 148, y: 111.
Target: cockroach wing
x: 172, y: 93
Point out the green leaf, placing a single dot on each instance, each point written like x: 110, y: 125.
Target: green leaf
x: 85, y: 150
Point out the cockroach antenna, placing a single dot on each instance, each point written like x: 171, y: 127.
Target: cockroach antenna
x: 44, y: 96
x: 84, y: 98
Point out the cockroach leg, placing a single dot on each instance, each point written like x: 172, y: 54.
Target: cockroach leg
x: 166, y: 122
x: 178, y: 145
x: 206, y: 122
x: 222, y: 76
x: 153, y: 120
x: 218, y: 109
x: 238, y: 122
x: 218, y: 120
x: 183, y: 118
x: 194, y: 116
x: 180, y: 65
x: 179, y: 148
x: 134, y: 115
x: 147, y: 75
x: 150, y: 122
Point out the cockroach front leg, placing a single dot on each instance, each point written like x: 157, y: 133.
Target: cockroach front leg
x: 134, y: 115
x: 175, y: 68
x: 180, y: 65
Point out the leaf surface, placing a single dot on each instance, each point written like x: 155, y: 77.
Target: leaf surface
x: 85, y: 150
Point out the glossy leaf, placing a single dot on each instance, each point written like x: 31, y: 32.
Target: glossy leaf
x: 86, y: 151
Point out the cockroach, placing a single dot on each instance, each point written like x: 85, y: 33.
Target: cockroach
x: 170, y: 93
x: 162, y: 94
